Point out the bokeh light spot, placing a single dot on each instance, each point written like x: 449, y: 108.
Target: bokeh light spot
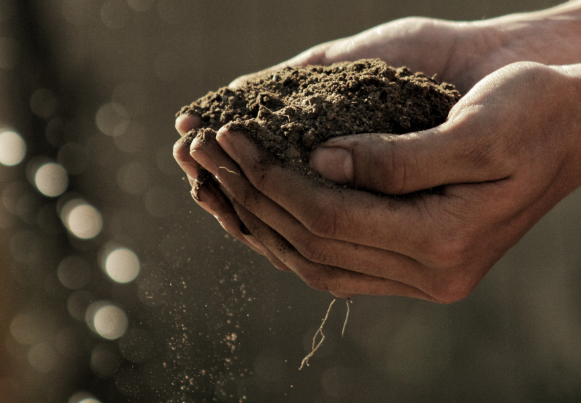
x: 132, y: 178
x: 82, y: 397
x: 122, y: 265
x: 43, y: 357
x: 112, y: 119
x: 43, y: 103
x: 109, y: 321
x: 104, y: 360
x: 12, y: 148
x: 11, y: 194
x: 78, y: 304
x: 133, y: 140
x: 51, y: 179
x: 81, y: 219
x: 25, y: 328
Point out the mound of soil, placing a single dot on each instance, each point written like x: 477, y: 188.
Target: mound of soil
x: 289, y: 112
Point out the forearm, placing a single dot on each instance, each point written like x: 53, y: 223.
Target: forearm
x: 551, y: 36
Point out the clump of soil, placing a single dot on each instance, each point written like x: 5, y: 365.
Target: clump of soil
x: 289, y: 112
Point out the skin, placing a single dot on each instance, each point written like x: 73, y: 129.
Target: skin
x: 508, y: 152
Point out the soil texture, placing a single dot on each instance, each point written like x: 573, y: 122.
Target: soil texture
x: 290, y: 112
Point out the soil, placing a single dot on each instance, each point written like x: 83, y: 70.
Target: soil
x: 289, y: 112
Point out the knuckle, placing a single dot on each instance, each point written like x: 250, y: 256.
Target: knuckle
x: 258, y: 173
x: 398, y: 169
x: 453, y: 256
x: 248, y: 198
x: 451, y: 251
x: 322, y: 221
x: 491, y: 156
x: 454, y: 288
x: 315, y: 251
x: 529, y: 70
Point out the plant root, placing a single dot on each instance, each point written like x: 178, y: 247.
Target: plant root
x: 316, y: 345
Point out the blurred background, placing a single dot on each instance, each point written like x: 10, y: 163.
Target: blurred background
x: 115, y: 286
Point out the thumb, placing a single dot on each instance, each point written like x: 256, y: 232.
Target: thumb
x: 400, y: 164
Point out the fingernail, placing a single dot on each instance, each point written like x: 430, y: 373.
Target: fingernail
x: 333, y: 163
x: 179, y: 124
x: 222, y: 138
x: 186, y: 122
x: 204, y: 160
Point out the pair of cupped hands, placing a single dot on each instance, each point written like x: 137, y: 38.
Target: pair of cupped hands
x: 505, y: 156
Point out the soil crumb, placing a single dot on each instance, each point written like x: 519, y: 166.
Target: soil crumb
x: 290, y: 112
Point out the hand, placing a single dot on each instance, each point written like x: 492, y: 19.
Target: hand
x: 444, y: 48
x: 461, y: 53
x: 454, y: 51
x: 507, y: 154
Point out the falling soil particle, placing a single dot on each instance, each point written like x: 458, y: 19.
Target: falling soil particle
x: 289, y: 112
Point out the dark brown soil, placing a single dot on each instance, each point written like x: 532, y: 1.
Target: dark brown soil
x: 290, y: 112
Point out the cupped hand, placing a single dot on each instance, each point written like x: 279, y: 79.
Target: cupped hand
x: 461, y: 53
x: 506, y: 155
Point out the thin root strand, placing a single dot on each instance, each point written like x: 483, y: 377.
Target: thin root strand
x: 347, y: 301
x: 229, y: 170
x: 320, y: 330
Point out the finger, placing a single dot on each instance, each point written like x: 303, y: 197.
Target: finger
x: 452, y: 153
x: 253, y: 242
x: 276, y: 262
x: 211, y: 199
x: 331, y: 252
x: 186, y: 122
x: 181, y: 153
x: 322, y: 277
x: 337, y: 213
